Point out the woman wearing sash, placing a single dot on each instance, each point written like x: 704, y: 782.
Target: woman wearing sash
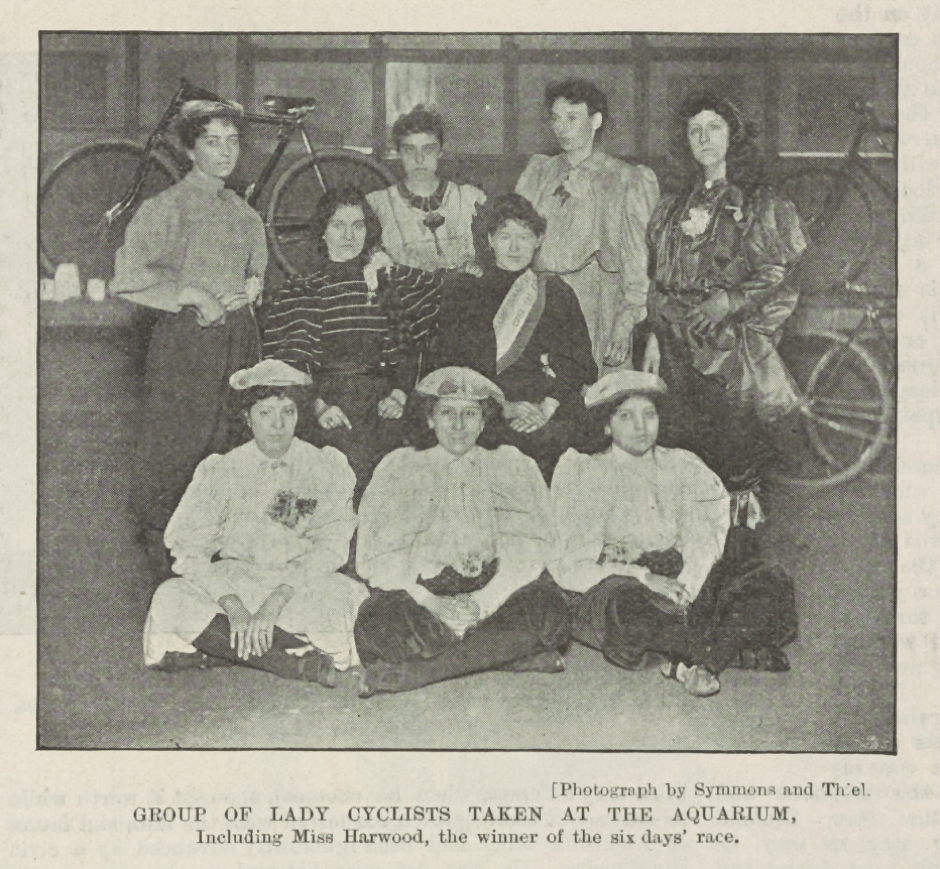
x: 526, y: 331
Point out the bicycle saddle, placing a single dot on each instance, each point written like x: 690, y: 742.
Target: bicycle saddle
x: 288, y: 105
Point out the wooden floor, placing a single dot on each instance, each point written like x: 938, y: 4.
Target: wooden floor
x: 94, y: 691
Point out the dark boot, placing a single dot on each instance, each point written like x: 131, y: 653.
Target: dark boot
x: 315, y: 666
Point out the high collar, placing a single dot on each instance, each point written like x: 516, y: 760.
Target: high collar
x: 206, y: 183
x: 439, y: 457
x: 267, y: 462
x: 592, y: 162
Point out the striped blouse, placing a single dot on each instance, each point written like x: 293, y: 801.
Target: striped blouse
x: 328, y: 321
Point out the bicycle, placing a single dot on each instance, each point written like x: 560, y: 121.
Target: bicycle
x: 87, y: 199
x: 836, y: 207
x: 847, y: 379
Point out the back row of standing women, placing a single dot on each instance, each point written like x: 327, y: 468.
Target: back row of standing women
x: 586, y: 269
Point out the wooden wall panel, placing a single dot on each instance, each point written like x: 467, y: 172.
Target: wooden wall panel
x: 469, y: 97
x: 208, y: 61
x: 343, y: 92
x: 617, y: 82
x: 672, y: 81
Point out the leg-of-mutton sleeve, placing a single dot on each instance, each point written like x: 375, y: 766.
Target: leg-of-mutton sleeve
x: 334, y: 520
x: 524, y: 529
x: 772, y: 243
x: 638, y: 204
x: 580, y: 504
x: 394, y: 510
x: 703, y: 518
x: 147, y: 266
x: 412, y: 311
x: 196, y: 529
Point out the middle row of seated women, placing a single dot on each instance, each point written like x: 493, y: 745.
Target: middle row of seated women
x: 456, y: 542
x: 362, y: 327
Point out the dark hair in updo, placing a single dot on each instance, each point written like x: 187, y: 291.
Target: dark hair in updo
x: 599, y: 418
x: 421, y: 409
x: 513, y: 206
x: 743, y: 162
x: 245, y: 399
x: 330, y: 203
x: 418, y: 120
x: 578, y: 90
x: 190, y: 129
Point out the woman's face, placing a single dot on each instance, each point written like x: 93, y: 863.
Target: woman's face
x: 345, y: 234
x: 215, y: 152
x: 634, y: 426
x: 272, y: 423
x: 419, y: 155
x: 708, y: 138
x: 573, y: 127
x: 514, y: 245
x: 457, y: 423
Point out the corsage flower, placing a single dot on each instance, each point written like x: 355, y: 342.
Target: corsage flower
x: 697, y: 222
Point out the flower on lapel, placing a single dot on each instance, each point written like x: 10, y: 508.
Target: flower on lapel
x: 696, y: 223
x: 736, y: 212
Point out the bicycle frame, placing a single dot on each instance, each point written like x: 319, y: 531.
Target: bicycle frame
x: 155, y: 140
x: 870, y: 126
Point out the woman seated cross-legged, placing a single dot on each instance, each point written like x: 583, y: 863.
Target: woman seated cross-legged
x: 454, y: 540
x: 526, y: 330
x: 645, y: 547
x: 257, y: 540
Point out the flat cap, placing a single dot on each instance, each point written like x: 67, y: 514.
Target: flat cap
x: 271, y: 372
x: 618, y: 384
x: 455, y: 382
x: 203, y: 108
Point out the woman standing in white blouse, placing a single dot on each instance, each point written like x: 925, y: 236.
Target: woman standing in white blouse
x: 642, y: 533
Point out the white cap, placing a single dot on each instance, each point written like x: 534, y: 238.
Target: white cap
x: 202, y: 108
x: 455, y: 382
x: 271, y: 372
x: 617, y: 384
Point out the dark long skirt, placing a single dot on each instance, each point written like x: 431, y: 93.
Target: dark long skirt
x: 702, y: 417
x: 370, y: 438
x: 745, y: 606
x: 187, y: 412
x: 392, y: 627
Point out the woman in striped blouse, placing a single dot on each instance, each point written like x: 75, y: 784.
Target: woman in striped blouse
x: 358, y: 331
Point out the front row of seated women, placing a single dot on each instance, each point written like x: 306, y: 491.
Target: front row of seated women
x: 471, y: 563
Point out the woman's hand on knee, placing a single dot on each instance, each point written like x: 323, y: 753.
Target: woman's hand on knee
x: 651, y: 355
x: 239, y: 619
x: 393, y: 405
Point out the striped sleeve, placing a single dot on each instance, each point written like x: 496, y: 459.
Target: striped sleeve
x: 421, y: 298
x: 295, y: 324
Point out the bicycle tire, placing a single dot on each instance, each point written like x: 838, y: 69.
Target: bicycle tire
x: 848, y: 415
x: 76, y: 193
x: 839, y: 232
x: 297, y: 192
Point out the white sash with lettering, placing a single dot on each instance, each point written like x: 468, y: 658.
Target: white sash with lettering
x: 517, y: 317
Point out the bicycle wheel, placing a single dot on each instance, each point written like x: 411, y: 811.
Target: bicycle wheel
x: 838, y: 220
x: 295, y: 196
x: 77, y: 192
x: 847, y: 416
